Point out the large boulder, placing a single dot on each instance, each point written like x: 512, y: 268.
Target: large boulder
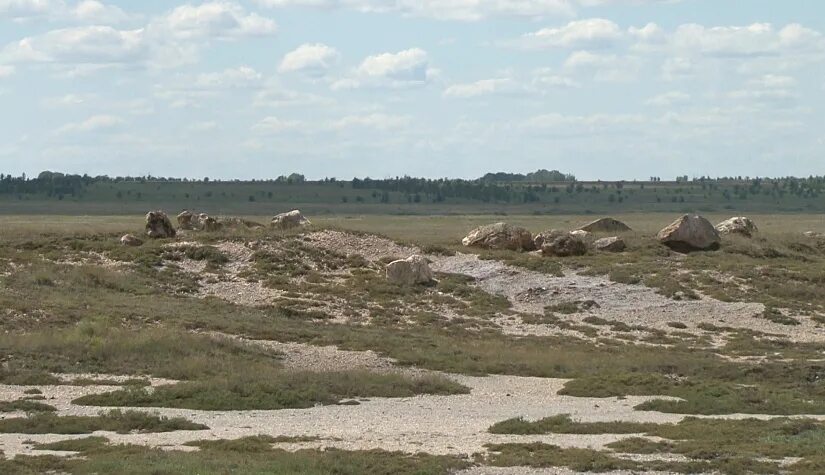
x: 292, y: 219
x: 610, y: 244
x: 158, y: 225
x: 500, y: 236
x: 187, y: 221
x: 606, y: 225
x: 410, y: 271
x: 691, y: 232
x: 738, y: 225
x: 561, y: 244
x: 130, y: 240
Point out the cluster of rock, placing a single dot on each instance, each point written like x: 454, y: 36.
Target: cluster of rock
x: 159, y: 226
x: 688, y: 233
x: 554, y: 242
x: 500, y: 236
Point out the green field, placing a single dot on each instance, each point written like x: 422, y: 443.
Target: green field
x: 412, y: 196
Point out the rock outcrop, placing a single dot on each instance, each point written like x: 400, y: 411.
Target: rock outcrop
x: 500, y: 236
x: 691, y: 232
x: 739, y: 225
x: 187, y: 221
x: 606, y: 225
x: 131, y: 240
x: 292, y: 219
x: 610, y: 244
x: 410, y: 271
x: 561, y: 244
x: 158, y: 225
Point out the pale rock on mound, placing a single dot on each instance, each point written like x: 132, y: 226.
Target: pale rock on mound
x: 131, y: 240
x: 292, y: 219
x: 814, y: 234
x: 208, y: 223
x: 691, y: 232
x: 584, y: 235
x: 561, y: 244
x: 187, y: 221
x: 606, y: 225
x: 610, y: 244
x: 738, y: 225
x: 158, y: 225
x: 410, y: 271
x: 500, y: 236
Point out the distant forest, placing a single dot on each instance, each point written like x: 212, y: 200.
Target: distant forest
x: 542, y: 191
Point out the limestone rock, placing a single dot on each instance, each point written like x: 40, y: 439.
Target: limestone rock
x: 158, y: 225
x: 606, y: 225
x: 410, y: 271
x: 738, y: 225
x: 562, y: 244
x: 500, y: 236
x: 187, y: 221
x: 208, y: 223
x: 131, y: 240
x: 691, y: 232
x: 610, y: 244
x: 292, y: 219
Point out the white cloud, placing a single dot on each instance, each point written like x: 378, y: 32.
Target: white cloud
x: 377, y: 121
x: 240, y: 77
x: 650, y: 33
x: 170, y: 40
x: 26, y: 8
x: 212, y: 20
x: 93, y: 11
x: 67, y: 100
x: 274, y: 125
x: 6, y: 70
x: 92, y: 124
x: 669, y: 99
x: 593, y: 33
x: 403, y: 69
x: 546, y: 78
x: 678, y: 68
x: 87, y: 44
x: 772, y: 81
x: 311, y: 59
x: 484, y: 87
x: 277, y: 96
x: 604, y: 68
x: 457, y: 10
x: 758, y: 39
x: 561, y: 125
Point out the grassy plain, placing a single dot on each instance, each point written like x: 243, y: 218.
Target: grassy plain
x: 145, y: 319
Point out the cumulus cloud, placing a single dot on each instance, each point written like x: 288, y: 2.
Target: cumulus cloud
x: 406, y: 68
x: 484, y: 87
x: 457, y: 10
x: 546, y: 78
x: 240, y: 77
x: 95, y: 123
x: 93, y: 11
x: 376, y: 121
x: 603, y: 67
x: 275, y: 125
x: 310, y: 59
x: 212, y: 20
x: 87, y: 44
x: 593, y: 33
x: 18, y: 9
x: 171, y: 39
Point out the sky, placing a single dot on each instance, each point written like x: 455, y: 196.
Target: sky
x: 603, y: 89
